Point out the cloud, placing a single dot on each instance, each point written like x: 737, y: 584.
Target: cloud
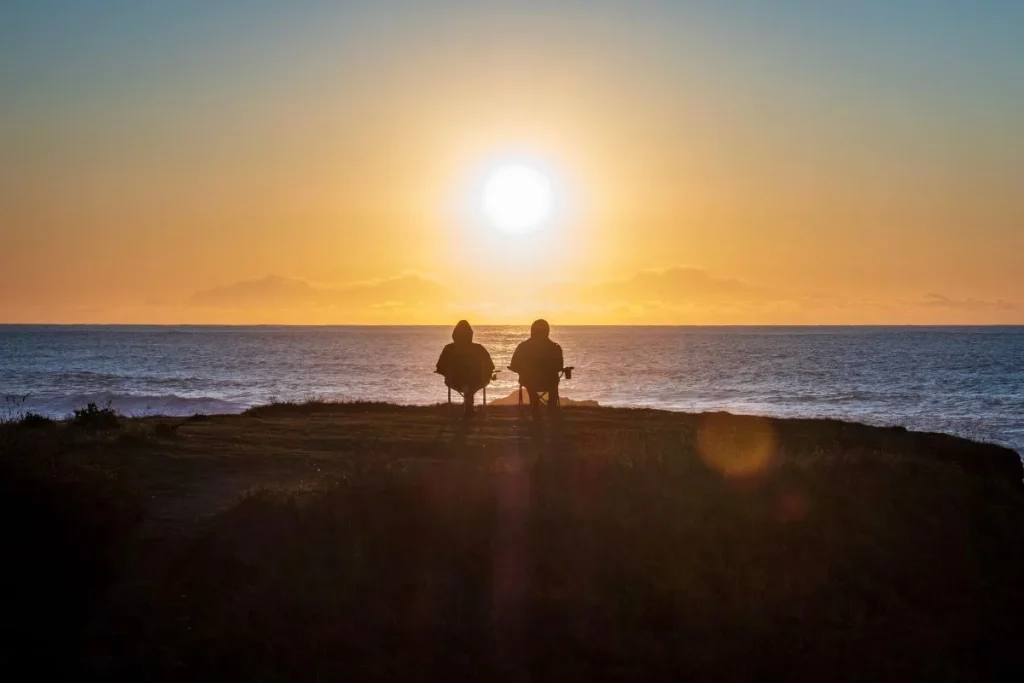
x: 273, y: 291
x: 682, y: 283
x: 969, y: 304
x: 675, y: 285
x: 691, y: 295
x: 676, y: 295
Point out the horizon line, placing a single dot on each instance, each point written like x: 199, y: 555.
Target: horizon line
x: 526, y: 325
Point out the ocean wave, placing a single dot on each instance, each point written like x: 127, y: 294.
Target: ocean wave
x: 86, y: 381
x: 181, y: 381
x: 135, y: 404
x: 78, y: 377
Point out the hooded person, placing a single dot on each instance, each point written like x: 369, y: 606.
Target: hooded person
x: 538, y: 362
x: 466, y: 366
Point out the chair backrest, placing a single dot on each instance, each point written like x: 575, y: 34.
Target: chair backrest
x: 466, y: 367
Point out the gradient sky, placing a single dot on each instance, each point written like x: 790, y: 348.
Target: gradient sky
x: 748, y: 161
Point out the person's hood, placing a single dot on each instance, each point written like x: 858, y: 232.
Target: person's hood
x: 540, y: 329
x: 463, y: 333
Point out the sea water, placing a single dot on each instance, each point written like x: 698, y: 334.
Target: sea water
x: 961, y: 380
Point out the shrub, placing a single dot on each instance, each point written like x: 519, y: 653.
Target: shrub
x: 93, y: 417
x: 31, y: 419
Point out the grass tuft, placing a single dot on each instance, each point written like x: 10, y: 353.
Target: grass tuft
x: 320, y: 406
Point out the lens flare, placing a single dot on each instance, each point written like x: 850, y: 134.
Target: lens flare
x: 739, y: 447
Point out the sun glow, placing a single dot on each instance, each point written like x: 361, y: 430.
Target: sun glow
x: 517, y: 199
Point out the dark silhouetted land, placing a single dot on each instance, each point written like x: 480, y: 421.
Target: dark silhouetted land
x: 368, y: 541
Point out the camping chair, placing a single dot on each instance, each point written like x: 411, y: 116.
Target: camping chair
x: 544, y: 397
x: 494, y: 377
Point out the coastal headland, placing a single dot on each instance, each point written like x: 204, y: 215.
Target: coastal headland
x: 322, y: 541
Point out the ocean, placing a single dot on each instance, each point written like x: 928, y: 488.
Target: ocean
x: 960, y: 380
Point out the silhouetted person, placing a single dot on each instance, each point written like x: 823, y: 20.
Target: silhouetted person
x: 538, y: 361
x: 466, y: 367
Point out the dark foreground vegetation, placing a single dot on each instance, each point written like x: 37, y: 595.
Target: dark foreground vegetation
x: 365, y: 541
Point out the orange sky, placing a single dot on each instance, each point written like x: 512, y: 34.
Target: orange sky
x: 319, y: 168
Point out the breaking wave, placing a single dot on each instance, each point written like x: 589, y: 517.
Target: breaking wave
x: 135, y: 405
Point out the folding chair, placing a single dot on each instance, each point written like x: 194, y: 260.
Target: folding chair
x: 544, y: 397
x: 494, y: 377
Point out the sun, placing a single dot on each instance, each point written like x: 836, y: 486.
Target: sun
x: 517, y: 199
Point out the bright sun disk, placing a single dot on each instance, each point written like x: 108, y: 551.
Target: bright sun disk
x: 517, y: 198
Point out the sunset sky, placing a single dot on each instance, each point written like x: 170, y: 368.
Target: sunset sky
x: 735, y: 162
